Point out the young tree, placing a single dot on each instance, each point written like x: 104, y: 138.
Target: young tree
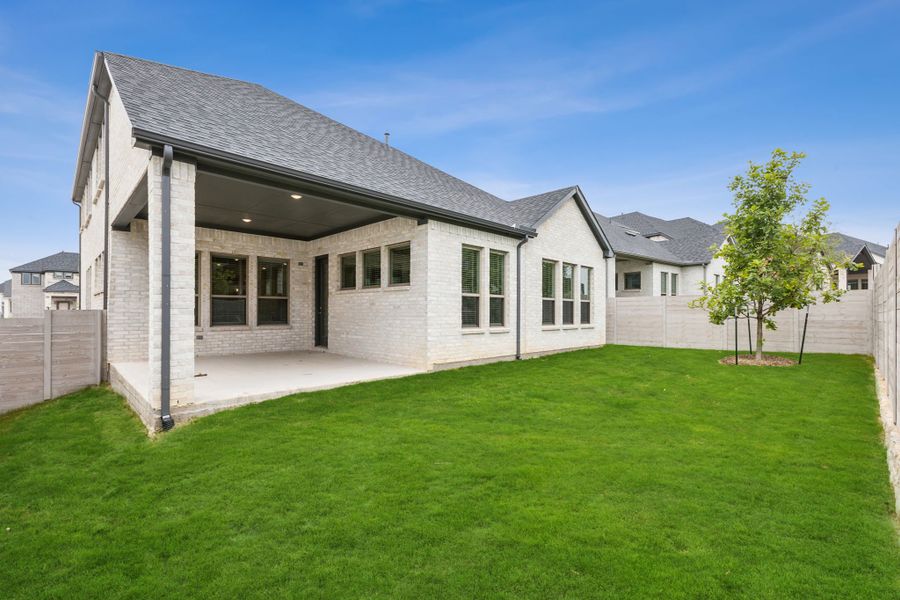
x: 771, y: 262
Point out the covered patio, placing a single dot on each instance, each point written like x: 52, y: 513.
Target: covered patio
x: 223, y: 382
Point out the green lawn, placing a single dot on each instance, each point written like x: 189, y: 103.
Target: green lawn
x: 621, y: 472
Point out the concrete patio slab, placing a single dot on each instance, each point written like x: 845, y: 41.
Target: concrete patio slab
x: 224, y: 382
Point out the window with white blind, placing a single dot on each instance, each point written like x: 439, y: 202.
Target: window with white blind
x: 663, y: 283
x: 348, y: 271
x: 673, y: 288
x: 548, y: 292
x: 371, y: 260
x: 272, y: 292
x: 497, y: 290
x: 228, y: 290
x: 568, y: 294
x: 471, y: 289
x: 399, y: 264
x: 585, y: 282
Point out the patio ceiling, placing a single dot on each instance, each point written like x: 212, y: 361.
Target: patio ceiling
x: 236, y: 202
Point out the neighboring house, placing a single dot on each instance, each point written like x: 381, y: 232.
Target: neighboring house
x: 867, y: 255
x: 5, y: 295
x: 658, y: 257
x: 278, y: 228
x: 49, y: 283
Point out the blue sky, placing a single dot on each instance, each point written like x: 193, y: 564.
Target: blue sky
x: 647, y: 106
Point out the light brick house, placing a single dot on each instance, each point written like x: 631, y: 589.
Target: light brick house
x: 659, y: 257
x: 49, y: 283
x: 218, y: 217
x: 5, y: 297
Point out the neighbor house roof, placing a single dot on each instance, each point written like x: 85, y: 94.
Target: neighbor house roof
x: 852, y: 246
x: 251, y: 124
x: 689, y: 242
x: 62, y: 286
x: 6, y: 288
x: 61, y: 261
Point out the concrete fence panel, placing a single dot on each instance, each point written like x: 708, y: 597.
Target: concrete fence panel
x: 49, y: 356
x: 843, y: 327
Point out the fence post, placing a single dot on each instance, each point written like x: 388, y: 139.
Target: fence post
x: 48, y: 354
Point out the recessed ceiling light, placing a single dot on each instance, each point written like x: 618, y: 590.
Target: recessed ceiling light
x: 296, y: 196
x: 246, y: 220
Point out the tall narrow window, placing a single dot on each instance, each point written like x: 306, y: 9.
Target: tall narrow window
x: 718, y: 278
x: 568, y: 294
x: 348, y: 271
x: 663, y: 283
x: 228, y: 290
x: 471, y: 276
x: 498, y: 289
x: 372, y: 268
x: 548, y: 292
x: 399, y: 264
x: 585, y: 282
x: 272, y: 292
x: 674, y: 287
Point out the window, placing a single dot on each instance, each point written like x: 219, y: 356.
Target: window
x: 585, y: 282
x: 497, y: 289
x: 228, y: 290
x: 398, y: 261
x: 471, y: 300
x: 853, y: 284
x: 272, y: 292
x: 348, y: 271
x: 663, y: 283
x: 69, y: 275
x: 633, y: 281
x: 372, y: 268
x: 568, y: 294
x: 197, y: 290
x: 718, y: 278
x: 863, y: 284
x: 674, y: 286
x: 548, y: 292
x: 31, y: 279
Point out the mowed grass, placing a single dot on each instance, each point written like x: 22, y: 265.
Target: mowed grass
x: 619, y: 472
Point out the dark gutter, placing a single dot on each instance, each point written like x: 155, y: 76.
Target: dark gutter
x: 166, y: 284
x: 521, y: 243
x: 385, y: 201
x: 105, y: 100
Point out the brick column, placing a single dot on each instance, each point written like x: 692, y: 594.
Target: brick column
x: 183, y: 177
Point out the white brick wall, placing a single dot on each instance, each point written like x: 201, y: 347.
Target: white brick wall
x: 27, y: 300
x: 564, y: 237
x: 252, y: 338
x: 448, y: 341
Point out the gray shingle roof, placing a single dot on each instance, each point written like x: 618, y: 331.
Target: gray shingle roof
x: 62, y: 286
x: 61, y: 261
x: 690, y: 241
x: 252, y: 122
x: 852, y: 246
x: 532, y: 209
x: 6, y: 288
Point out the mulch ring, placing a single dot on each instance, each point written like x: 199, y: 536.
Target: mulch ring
x: 768, y: 360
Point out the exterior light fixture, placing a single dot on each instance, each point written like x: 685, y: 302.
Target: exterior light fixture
x: 296, y: 196
x: 245, y: 220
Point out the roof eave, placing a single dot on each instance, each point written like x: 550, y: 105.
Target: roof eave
x: 90, y: 126
x: 150, y: 140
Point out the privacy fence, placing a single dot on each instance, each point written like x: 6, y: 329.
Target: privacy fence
x: 843, y: 327
x: 886, y: 317
x: 49, y: 356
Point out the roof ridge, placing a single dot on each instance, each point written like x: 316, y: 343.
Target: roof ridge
x: 177, y: 68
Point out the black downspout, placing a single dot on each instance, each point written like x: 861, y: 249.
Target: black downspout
x: 519, y: 297
x: 166, y: 283
x: 105, y: 100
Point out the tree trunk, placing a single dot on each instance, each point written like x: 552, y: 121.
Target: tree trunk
x: 759, y: 336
